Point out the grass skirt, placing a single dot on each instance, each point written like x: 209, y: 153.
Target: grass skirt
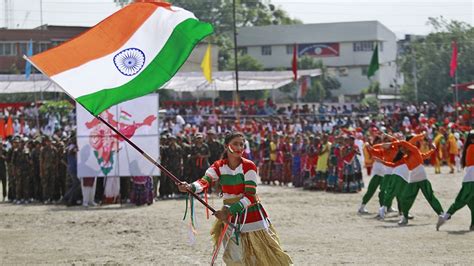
x: 261, y: 247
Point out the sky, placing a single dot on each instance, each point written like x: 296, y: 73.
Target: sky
x: 400, y: 16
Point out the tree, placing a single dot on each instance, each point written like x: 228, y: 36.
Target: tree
x: 219, y: 14
x: 246, y: 63
x: 326, y: 81
x: 432, y: 56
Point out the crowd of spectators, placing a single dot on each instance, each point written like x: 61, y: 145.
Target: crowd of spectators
x: 298, y: 144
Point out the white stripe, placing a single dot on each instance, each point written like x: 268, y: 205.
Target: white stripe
x: 101, y: 73
x: 198, y: 187
x: 225, y: 170
x: 245, y: 201
x: 255, y: 226
x: 212, y: 174
x: 378, y: 169
x: 230, y: 196
x: 418, y: 174
x: 402, y: 171
x: 251, y: 175
x: 388, y: 170
x: 469, y: 176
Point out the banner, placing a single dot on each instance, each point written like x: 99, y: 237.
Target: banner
x: 318, y: 49
x: 104, y: 153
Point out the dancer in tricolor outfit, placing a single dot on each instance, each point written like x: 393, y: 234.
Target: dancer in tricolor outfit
x: 412, y: 171
x: 257, y: 242
x: 466, y: 195
x: 388, y: 185
x: 396, y: 172
x: 377, y: 173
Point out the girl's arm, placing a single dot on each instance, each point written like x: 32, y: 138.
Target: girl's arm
x: 211, y: 176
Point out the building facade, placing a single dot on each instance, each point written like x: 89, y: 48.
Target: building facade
x: 14, y: 44
x: 345, y: 47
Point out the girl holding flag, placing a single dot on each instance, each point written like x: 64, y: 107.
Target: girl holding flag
x: 256, y: 242
x: 466, y: 195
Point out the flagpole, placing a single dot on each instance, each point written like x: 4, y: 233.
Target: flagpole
x: 142, y: 152
x: 456, y: 93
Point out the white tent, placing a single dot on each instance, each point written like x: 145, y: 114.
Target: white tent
x: 225, y: 80
x: 181, y: 82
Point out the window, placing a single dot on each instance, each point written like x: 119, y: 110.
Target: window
x: 23, y: 48
x: 243, y: 50
x: 7, y: 49
x: 366, y: 46
x: 41, y: 47
x: 56, y: 42
x: 289, y: 49
x: 266, y: 50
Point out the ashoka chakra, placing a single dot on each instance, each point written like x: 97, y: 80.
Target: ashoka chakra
x: 129, y: 61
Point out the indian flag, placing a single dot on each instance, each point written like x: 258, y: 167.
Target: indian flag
x: 129, y: 54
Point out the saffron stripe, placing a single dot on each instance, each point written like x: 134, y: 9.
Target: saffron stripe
x: 173, y: 55
x: 93, y: 43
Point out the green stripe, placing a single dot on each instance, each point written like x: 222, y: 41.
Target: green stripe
x: 208, y: 179
x: 163, y: 67
x: 251, y: 190
x: 231, y: 180
x: 248, y: 182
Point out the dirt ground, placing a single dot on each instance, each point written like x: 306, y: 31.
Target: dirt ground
x: 314, y: 227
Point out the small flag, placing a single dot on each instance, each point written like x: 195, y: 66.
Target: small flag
x: 206, y: 64
x: 294, y: 62
x: 454, y: 59
x: 131, y: 53
x: 125, y: 115
x: 374, y: 62
x: 29, y: 53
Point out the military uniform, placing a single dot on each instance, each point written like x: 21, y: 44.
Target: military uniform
x: 10, y: 171
x: 37, y: 192
x: 22, y: 167
x: 3, y: 173
x: 173, y: 162
x: 187, y: 163
x: 216, y: 149
x: 59, y: 183
x: 48, y: 163
x: 199, y: 161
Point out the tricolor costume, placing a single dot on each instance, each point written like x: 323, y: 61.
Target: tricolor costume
x: 257, y: 243
x: 410, y: 168
x: 466, y: 195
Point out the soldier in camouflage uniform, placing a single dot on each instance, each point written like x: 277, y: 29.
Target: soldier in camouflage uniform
x: 22, y: 167
x: 173, y: 163
x: 11, y: 170
x: 164, y: 161
x: 3, y: 172
x: 187, y: 164
x: 35, y: 153
x: 199, y: 157
x: 61, y: 172
x: 48, y: 165
x: 215, y: 147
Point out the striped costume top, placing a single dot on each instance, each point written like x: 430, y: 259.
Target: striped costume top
x: 239, y: 187
x: 469, y: 176
x: 413, y: 162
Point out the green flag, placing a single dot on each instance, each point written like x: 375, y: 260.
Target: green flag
x: 374, y: 62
